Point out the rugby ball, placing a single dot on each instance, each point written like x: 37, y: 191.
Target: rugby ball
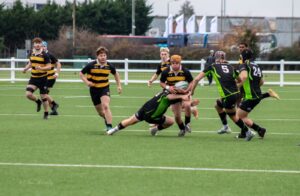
x: 181, y: 85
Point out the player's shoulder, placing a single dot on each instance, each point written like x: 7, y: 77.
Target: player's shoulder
x: 92, y: 63
x: 167, y: 70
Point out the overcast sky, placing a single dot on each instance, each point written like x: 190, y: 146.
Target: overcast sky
x: 266, y: 8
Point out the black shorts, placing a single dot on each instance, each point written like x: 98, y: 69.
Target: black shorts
x: 143, y: 115
x: 97, y: 93
x: 50, y: 83
x: 230, y: 101
x: 40, y: 83
x: 249, y: 105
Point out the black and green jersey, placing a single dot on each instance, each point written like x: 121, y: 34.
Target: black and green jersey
x: 252, y: 84
x: 224, y: 76
x: 156, y: 107
x: 153, y: 110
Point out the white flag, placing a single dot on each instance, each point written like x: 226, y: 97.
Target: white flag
x: 168, y: 25
x: 202, y: 25
x: 191, y: 25
x: 180, y: 24
x: 214, y: 25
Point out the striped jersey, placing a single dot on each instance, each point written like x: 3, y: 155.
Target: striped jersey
x: 53, y: 62
x: 98, y: 74
x: 170, y: 77
x: 163, y: 66
x: 38, y: 59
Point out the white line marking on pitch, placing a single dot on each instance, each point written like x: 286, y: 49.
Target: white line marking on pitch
x: 150, y: 168
x: 201, y: 118
x: 119, y: 106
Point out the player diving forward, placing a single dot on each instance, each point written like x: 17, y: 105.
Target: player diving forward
x: 153, y: 112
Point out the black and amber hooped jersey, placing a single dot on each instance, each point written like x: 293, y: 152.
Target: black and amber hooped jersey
x: 41, y: 59
x: 170, y: 77
x: 163, y: 66
x: 51, y: 72
x: 98, y: 74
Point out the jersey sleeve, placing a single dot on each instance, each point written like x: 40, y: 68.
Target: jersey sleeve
x: 163, y: 77
x: 189, y: 77
x: 46, y: 58
x: 86, y: 69
x: 207, y: 70
x: 112, y: 69
x: 242, y: 67
x: 158, y: 70
x: 53, y: 59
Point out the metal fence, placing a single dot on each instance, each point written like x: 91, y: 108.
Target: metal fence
x: 280, y: 70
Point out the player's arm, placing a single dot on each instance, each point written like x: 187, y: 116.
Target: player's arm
x: 47, y: 62
x: 85, y: 80
x: 45, y: 68
x: 179, y: 96
x: 153, y: 78
x: 196, y: 81
x: 243, y: 77
x: 28, y: 66
x: 58, y: 68
x: 118, y: 81
x: 261, y: 82
x: 163, y: 83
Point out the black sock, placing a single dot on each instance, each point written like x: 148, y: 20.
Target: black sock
x: 109, y: 125
x: 120, y: 126
x: 255, y: 127
x: 241, y: 124
x: 223, y: 118
x: 160, y: 127
x: 38, y: 101
x: 187, y: 120
x: 53, y: 103
x: 46, y: 113
x: 264, y: 95
x: 181, y: 126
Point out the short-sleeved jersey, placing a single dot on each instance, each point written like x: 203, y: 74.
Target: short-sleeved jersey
x: 51, y: 72
x: 163, y: 66
x: 98, y: 74
x: 224, y: 75
x: 170, y: 77
x: 157, y: 106
x: 40, y: 59
x: 252, y: 84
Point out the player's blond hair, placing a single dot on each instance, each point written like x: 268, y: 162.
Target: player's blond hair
x: 164, y: 49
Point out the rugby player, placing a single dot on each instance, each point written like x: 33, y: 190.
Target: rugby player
x: 165, y: 63
x: 153, y: 112
x: 95, y: 75
x: 39, y: 63
x: 225, y: 77
x: 251, y: 80
x: 175, y: 73
x: 52, y: 76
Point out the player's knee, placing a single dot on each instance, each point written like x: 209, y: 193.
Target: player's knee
x: 44, y: 99
x: 105, y: 107
x: 29, y: 90
x: 231, y: 113
x: 218, y: 104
